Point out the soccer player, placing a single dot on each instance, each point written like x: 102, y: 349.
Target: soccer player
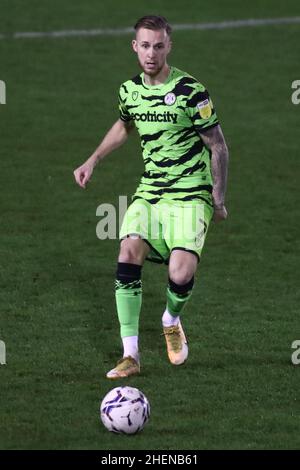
x: 182, y: 189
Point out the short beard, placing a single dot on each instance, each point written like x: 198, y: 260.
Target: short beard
x: 151, y: 74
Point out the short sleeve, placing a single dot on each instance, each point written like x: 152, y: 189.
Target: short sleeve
x: 200, y: 109
x: 124, y: 113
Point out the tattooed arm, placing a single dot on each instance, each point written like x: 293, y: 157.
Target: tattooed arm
x: 214, y: 140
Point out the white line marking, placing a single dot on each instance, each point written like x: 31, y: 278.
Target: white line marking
x: 176, y: 27
x: 74, y: 33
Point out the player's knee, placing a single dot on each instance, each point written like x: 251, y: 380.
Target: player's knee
x: 131, y: 252
x: 128, y: 255
x: 181, y: 276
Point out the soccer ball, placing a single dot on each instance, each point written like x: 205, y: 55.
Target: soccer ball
x: 125, y: 410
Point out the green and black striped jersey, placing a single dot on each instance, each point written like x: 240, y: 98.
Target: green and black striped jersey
x: 169, y: 118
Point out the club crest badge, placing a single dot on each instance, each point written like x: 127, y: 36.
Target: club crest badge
x: 135, y: 95
x: 170, y: 99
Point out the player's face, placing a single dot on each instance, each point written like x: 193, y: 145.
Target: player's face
x: 152, y: 48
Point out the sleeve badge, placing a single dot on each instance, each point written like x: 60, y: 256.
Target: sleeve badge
x: 205, y: 108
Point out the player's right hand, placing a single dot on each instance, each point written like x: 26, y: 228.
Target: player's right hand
x: 220, y: 214
x: 83, y: 174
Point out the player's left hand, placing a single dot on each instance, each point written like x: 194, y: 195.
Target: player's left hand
x: 220, y: 213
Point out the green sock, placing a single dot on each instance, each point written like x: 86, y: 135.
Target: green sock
x: 129, y: 302
x: 176, y: 302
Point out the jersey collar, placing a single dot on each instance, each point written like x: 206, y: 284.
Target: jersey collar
x: 154, y: 87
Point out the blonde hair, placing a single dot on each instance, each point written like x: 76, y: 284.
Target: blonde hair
x: 153, y: 22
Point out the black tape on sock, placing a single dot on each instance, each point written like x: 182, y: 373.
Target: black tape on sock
x: 181, y: 289
x: 128, y: 272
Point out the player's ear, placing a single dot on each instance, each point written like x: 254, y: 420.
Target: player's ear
x: 134, y: 45
x: 170, y: 46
